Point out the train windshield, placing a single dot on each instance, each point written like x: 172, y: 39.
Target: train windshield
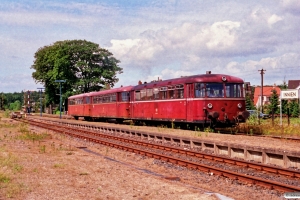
x: 214, y: 90
x: 209, y: 90
x: 234, y: 90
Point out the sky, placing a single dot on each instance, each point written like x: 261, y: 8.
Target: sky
x: 157, y: 39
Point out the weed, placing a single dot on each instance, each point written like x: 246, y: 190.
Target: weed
x: 58, y: 165
x: 251, y: 131
x: 4, y: 178
x: 17, y: 168
x: 43, y: 149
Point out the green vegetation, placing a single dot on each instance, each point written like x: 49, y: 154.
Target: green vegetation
x: 267, y: 127
x: 28, y: 135
x: 84, y: 65
x: 9, y: 165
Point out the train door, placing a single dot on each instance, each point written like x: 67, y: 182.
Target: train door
x: 189, y: 102
x: 123, y: 105
x: 86, y: 106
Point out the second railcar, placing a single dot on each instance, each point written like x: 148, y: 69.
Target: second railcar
x: 106, y: 104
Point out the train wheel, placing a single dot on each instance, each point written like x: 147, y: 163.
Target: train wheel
x: 76, y: 117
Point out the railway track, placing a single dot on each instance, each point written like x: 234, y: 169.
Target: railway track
x: 138, y: 146
x: 219, y: 130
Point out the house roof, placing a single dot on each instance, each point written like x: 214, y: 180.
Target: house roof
x: 293, y: 84
x: 267, y: 91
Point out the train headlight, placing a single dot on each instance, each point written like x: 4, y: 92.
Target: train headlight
x: 239, y: 105
x: 209, y: 105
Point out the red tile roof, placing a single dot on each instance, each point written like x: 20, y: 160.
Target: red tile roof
x: 267, y: 91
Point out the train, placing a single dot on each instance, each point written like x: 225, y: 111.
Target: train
x: 215, y: 100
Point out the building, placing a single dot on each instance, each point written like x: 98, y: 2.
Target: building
x: 267, y: 92
x: 294, y: 84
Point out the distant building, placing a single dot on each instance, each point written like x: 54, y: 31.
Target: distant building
x: 294, y: 84
x: 267, y: 92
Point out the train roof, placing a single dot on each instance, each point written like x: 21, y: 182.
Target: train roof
x: 207, y: 78
x: 113, y: 90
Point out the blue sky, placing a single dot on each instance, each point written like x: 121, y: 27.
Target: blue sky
x: 152, y: 39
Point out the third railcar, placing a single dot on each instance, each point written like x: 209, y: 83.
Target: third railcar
x: 214, y: 99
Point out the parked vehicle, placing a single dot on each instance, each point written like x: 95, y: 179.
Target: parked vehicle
x: 259, y: 114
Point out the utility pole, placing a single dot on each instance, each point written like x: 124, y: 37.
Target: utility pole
x: 261, y: 90
x: 41, y: 107
x: 60, y: 81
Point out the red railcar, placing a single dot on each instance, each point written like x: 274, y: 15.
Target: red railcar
x: 80, y: 105
x: 106, y: 104
x: 214, y: 99
x: 200, y: 99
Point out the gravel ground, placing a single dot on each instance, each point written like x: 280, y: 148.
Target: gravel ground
x: 60, y: 168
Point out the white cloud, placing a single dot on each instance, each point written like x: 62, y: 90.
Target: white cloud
x: 187, y: 40
x: 273, y: 19
x: 277, y: 68
x: 222, y: 35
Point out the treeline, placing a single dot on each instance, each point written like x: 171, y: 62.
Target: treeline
x: 15, y: 101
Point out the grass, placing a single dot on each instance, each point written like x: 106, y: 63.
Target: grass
x: 267, y: 127
x: 9, y: 166
x: 59, y: 165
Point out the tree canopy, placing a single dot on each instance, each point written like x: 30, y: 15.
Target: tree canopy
x: 84, y: 65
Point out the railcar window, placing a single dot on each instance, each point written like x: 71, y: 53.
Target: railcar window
x: 106, y: 98
x: 149, y: 94
x: 163, y: 92
x: 113, y: 97
x: 87, y: 100
x: 215, y: 90
x: 77, y: 101
x: 155, y: 93
x: 96, y: 99
x: 179, y: 91
x: 125, y: 96
x: 199, y: 90
x: 143, y: 94
x: 137, y: 95
x: 171, y: 92
x: 234, y: 90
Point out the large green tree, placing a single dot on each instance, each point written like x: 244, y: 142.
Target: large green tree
x: 84, y: 65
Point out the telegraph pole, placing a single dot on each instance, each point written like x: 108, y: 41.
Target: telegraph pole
x: 60, y: 81
x: 41, y: 107
x: 262, y: 87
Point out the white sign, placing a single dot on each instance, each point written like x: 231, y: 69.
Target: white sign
x: 289, y: 94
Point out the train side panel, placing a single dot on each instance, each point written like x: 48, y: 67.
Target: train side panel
x: 160, y: 110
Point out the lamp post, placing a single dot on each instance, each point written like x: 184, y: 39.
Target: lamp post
x: 60, y: 81
x: 40, y: 89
